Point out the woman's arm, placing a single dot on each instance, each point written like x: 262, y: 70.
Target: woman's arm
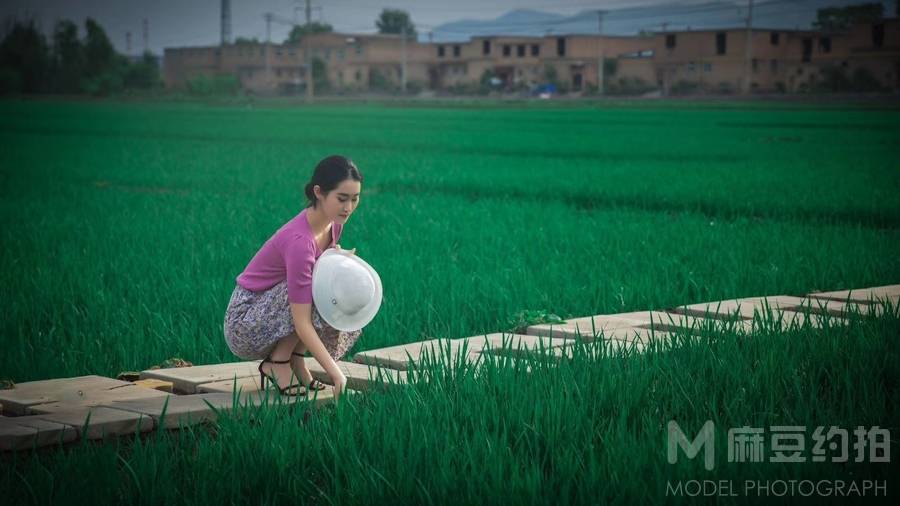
x: 302, y: 315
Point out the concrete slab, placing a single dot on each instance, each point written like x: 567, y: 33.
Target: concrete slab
x: 155, y: 384
x: 26, y: 432
x: 186, y: 379
x: 786, y: 319
x: 104, y: 421
x: 181, y: 410
x: 398, y: 357
x: 492, y: 343
x: 360, y: 376
x: 837, y: 308
x: 82, y: 390
x: 584, y: 326
x: 249, y: 392
x: 861, y: 295
x: 657, y: 320
x: 742, y: 308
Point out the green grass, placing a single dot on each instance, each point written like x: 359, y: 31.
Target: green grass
x: 124, y: 226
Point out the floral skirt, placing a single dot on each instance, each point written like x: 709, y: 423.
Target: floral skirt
x: 256, y: 321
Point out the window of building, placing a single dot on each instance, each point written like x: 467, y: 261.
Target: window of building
x: 825, y: 44
x: 773, y: 66
x: 278, y: 72
x: 520, y: 50
x: 456, y: 51
x: 535, y: 50
x: 506, y: 50
x: 773, y: 38
x: 670, y: 40
x: 690, y: 66
x: 721, y: 42
x: 878, y: 35
x: 292, y: 51
x: 754, y: 64
x: 560, y: 46
x: 707, y: 67
x: 440, y: 51
x: 328, y: 54
x: 359, y: 49
x: 340, y: 54
x: 357, y: 75
x: 807, y: 50
x: 485, y: 47
x: 278, y: 51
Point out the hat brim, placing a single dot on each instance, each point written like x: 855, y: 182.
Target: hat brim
x: 323, y: 274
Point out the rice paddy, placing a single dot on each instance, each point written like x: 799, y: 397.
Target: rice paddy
x: 125, y: 224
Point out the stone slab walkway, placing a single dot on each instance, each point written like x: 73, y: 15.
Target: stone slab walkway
x: 59, y: 411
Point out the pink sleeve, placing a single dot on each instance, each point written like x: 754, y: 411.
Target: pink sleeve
x: 299, y: 261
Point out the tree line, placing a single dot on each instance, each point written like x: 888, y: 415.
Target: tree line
x: 70, y: 63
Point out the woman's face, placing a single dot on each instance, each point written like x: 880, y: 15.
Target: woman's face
x: 340, y: 203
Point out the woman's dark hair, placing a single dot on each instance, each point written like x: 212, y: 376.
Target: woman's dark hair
x: 329, y: 173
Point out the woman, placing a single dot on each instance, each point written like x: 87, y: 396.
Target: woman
x: 271, y: 314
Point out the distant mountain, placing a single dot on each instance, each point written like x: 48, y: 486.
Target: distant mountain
x: 780, y: 14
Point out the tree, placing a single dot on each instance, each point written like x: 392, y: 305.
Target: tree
x: 24, y: 60
x: 68, y: 57
x: 395, y: 21
x: 832, y: 19
x: 299, y: 31
x: 98, y: 50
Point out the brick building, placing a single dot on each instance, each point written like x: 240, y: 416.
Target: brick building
x: 703, y: 60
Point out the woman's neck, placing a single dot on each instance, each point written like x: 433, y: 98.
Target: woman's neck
x: 317, y: 220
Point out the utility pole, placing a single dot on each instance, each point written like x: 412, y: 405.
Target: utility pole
x: 310, y: 80
x: 145, y: 28
x: 600, y: 55
x: 268, y: 38
x: 748, y: 53
x: 403, y: 65
x: 225, y: 22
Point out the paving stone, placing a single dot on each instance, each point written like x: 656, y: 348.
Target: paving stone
x: 359, y: 376
x: 181, y: 410
x: 838, y: 308
x: 398, y: 357
x: 788, y: 319
x: 104, y: 421
x: 742, y: 308
x: 249, y: 391
x: 25, y: 432
x: 155, y: 384
x: 862, y: 295
x: 186, y: 379
x: 493, y: 342
x: 81, y: 390
x: 657, y: 320
x: 585, y: 326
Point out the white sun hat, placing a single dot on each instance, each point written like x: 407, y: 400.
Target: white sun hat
x: 346, y: 290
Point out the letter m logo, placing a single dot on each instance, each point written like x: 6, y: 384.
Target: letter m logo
x: 705, y: 439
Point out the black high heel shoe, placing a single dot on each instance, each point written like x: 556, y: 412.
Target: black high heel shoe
x: 263, y: 377
x: 314, y: 384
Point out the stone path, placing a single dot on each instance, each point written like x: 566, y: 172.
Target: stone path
x: 59, y: 411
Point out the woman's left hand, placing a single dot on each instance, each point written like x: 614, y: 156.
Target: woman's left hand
x: 350, y: 252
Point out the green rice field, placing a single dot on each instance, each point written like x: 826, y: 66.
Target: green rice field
x: 124, y: 226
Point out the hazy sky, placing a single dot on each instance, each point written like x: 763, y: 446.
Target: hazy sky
x: 175, y: 23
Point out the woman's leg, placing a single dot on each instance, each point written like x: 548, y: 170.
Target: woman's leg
x: 299, y: 363
x: 282, y: 351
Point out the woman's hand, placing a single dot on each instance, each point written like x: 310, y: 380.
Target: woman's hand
x: 340, y: 383
x: 338, y: 247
